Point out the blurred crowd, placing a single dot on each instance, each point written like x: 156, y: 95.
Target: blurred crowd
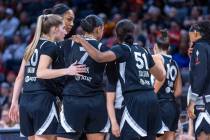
x: 18, y: 22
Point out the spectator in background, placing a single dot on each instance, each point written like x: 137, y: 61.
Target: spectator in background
x: 153, y: 17
x: 2, y: 43
x: 24, y: 26
x: 2, y: 71
x: 13, y: 54
x: 196, y: 13
x: 9, y: 24
x: 174, y: 36
x: 181, y: 56
x: 1, y: 12
x: 171, y: 12
x: 110, y: 37
x: 30, y: 37
x: 11, y: 76
x: 4, y: 95
x: 110, y: 24
x: 152, y: 34
x: 194, y: 16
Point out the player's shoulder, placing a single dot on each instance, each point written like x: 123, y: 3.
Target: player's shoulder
x: 64, y: 43
x: 139, y: 48
x: 43, y: 44
x: 93, y: 41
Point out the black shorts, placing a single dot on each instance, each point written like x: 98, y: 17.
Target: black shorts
x: 38, y: 114
x: 141, y: 116
x: 118, y: 113
x: 170, y: 114
x: 202, y: 120
x: 83, y: 115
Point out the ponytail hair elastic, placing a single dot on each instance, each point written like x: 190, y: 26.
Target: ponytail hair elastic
x: 45, y: 17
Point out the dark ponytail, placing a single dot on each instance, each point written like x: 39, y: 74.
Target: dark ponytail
x: 86, y: 26
x: 90, y: 23
x: 125, y: 30
x: 47, y: 11
x: 58, y: 9
x: 128, y: 39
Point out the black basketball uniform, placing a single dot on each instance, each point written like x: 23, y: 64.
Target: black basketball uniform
x: 38, y: 111
x: 84, y: 104
x: 200, y: 85
x: 141, y: 115
x: 169, y: 108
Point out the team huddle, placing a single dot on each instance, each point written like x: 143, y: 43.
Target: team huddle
x: 64, y: 95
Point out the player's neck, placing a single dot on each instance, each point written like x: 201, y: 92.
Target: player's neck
x: 47, y: 37
x: 89, y: 35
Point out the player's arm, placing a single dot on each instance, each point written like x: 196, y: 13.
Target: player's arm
x: 48, y: 54
x: 95, y: 54
x: 14, y: 108
x: 158, y: 61
x: 158, y: 70
x: 178, y: 85
x: 110, y: 97
x: 198, y: 73
x: 112, y: 77
x: 45, y: 72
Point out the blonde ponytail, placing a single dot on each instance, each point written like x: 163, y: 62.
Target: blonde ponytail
x: 44, y: 23
x: 32, y: 46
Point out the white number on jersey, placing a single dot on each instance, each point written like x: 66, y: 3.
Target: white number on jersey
x: 34, y: 58
x: 171, y: 72
x: 141, y: 60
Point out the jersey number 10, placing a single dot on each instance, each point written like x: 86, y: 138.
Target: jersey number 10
x: 171, y: 72
x: 34, y: 58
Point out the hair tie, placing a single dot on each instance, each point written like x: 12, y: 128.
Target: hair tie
x: 45, y: 17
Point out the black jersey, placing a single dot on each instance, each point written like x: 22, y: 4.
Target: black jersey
x: 134, y: 64
x: 167, y: 89
x: 91, y: 83
x: 56, y: 85
x: 31, y: 82
x: 200, y: 69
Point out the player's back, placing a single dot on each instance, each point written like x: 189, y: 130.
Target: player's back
x: 134, y: 71
x: 167, y: 89
x: 31, y: 83
x: 91, y: 83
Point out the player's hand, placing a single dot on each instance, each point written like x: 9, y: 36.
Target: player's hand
x: 75, y: 69
x: 190, y: 110
x: 155, y: 48
x: 14, y: 112
x: 158, y: 59
x: 116, y: 129
x: 77, y: 38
